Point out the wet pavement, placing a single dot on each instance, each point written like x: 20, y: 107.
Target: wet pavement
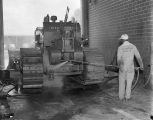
x: 91, y: 104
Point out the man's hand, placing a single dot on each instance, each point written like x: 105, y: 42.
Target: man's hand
x: 141, y: 68
x: 137, y: 68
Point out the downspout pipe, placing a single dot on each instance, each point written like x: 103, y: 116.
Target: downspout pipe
x: 84, y: 21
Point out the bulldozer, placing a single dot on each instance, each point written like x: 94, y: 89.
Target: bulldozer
x: 56, y: 43
x: 59, y: 51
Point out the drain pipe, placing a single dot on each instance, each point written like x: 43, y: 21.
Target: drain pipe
x: 84, y: 18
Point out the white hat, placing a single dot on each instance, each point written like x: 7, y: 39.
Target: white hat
x: 124, y: 37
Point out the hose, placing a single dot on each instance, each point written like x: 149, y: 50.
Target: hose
x: 137, y: 79
x: 148, y: 80
x: 85, y: 63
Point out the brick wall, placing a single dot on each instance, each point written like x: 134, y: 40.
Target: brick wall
x: 108, y: 19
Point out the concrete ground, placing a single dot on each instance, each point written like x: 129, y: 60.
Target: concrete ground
x: 91, y: 104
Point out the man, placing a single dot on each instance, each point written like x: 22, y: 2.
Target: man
x: 125, y: 60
